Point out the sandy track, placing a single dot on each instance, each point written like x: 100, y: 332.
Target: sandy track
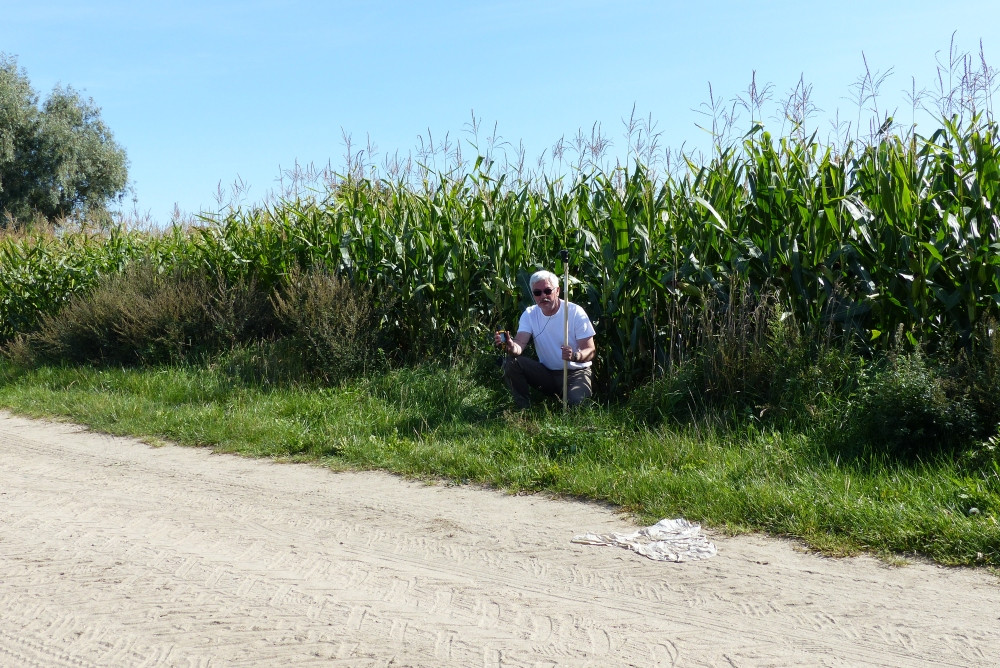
x: 114, y: 553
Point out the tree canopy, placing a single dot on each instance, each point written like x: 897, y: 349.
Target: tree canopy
x: 57, y: 159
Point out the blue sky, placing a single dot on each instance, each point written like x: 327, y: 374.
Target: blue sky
x: 210, y: 93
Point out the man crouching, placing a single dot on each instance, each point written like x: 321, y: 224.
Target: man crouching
x: 541, y: 323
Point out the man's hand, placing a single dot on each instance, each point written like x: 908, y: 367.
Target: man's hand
x: 505, y: 341
x: 585, y: 351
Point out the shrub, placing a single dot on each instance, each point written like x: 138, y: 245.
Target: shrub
x: 908, y: 409
x: 142, y: 316
x: 334, y: 323
x: 817, y: 386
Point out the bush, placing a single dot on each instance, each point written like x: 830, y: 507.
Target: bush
x: 145, y: 317
x: 334, y: 323
x: 908, y: 409
x: 816, y: 387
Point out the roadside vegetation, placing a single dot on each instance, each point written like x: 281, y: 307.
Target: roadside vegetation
x: 796, y: 336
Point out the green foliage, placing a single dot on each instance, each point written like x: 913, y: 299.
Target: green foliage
x: 582, y: 435
x: 263, y: 363
x: 984, y: 457
x: 743, y: 359
x: 910, y: 409
x: 825, y: 240
x: 18, y: 109
x: 57, y: 160
x: 142, y: 316
x: 333, y: 323
x: 675, y: 397
x: 39, y: 273
x: 832, y: 243
x: 429, y: 395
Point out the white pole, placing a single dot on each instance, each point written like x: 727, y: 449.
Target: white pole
x: 565, y: 259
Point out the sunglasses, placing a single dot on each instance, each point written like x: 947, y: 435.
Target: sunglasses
x: 539, y: 293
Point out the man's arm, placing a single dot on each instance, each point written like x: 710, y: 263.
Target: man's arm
x: 586, y: 350
x: 516, y: 345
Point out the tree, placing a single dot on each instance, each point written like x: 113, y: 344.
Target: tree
x: 56, y: 160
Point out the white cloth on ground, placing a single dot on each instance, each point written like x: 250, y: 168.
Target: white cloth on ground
x: 667, y: 540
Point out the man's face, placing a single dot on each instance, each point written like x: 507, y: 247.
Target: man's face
x: 545, y: 295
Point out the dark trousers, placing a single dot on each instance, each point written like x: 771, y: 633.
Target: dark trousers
x: 521, y: 373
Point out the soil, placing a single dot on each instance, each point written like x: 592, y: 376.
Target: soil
x: 117, y: 553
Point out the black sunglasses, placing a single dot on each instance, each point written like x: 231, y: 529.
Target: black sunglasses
x: 538, y: 293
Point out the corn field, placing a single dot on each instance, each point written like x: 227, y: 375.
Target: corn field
x: 890, y: 242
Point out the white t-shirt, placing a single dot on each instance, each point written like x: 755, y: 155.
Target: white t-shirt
x: 547, y: 332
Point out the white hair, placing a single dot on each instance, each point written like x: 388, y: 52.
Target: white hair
x: 550, y: 279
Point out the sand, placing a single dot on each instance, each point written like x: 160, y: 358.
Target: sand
x: 117, y: 553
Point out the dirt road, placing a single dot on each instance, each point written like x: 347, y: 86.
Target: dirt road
x: 115, y: 553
